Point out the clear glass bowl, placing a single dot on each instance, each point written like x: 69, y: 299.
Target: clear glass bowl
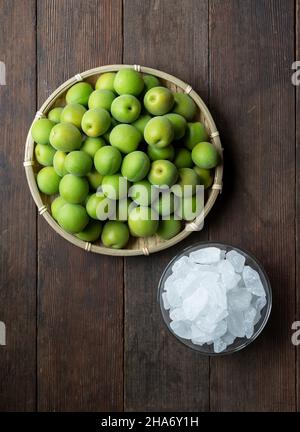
x: 239, y: 343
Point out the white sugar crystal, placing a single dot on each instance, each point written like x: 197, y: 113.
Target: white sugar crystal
x: 237, y: 260
x: 206, y: 255
x: 253, y: 282
x: 213, y: 298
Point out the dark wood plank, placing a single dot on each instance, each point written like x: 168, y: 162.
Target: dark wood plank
x: 251, y: 52
x: 17, y: 216
x: 297, y: 57
x: 160, y: 373
x: 80, y: 335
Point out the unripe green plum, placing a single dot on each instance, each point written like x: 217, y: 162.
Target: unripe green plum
x: 74, y: 189
x: 205, y: 155
x: 94, y: 179
x: 101, y: 99
x: 79, y: 93
x: 128, y: 81
x: 100, y: 207
x: 91, y: 145
x: 195, y: 133
x: 106, y: 81
x: 141, y: 122
x: 166, y: 204
x: 115, y: 186
x: 156, y: 153
x: 59, y: 163
x: 205, y: 177
x: 125, y: 138
x: 72, y: 218
x: 187, y: 180
x: 135, y: 166
x: 143, y: 193
x: 73, y: 114
x: 183, y: 158
x: 107, y: 160
x: 158, y: 100
x: 190, y: 207
x: 150, y: 81
x: 169, y: 228
x: 163, y: 173
x: 78, y: 163
x: 56, y: 205
x: 44, y: 154
x: 115, y: 234
x: 126, y: 108
x: 124, y: 206
x: 91, y: 232
x: 95, y: 122
x: 178, y: 123
x: 159, y: 132
x: 185, y: 106
x: 65, y: 137
x: 54, y: 114
x: 48, y: 181
x: 41, y: 129
x: 143, y: 222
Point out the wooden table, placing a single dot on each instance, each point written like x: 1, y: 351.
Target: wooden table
x: 84, y: 331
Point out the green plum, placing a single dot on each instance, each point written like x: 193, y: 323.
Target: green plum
x: 166, y: 204
x: 72, y: 218
x: 91, y: 232
x: 44, y: 154
x: 65, y: 137
x: 59, y: 163
x: 106, y: 81
x: 123, y: 208
x: 195, y: 133
x: 163, y: 173
x: 78, y: 163
x: 126, y: 108
x: 169, y: 228
x: 128, y: 81
x: 91, y: 145
x: 205, y: 155
x: 141, y: 122
x: 156, y: 153
x: 74, y: 189
x: 73, y: 113
x: 185, y: 106
x: 101, y: 99
x: 56, y: 205
x: 107, y: 160
x: 150, y: 81
x: 143, y: 222
x: 48, y: 181
x: 159, y: 132
x: 94, y: 179
x: 183, y: 158
x: 205, y: 177
x: 54, y: 114
x: 178, y: 123
x: 125, y: 138
x: 79, y: 93
x: 158, y: 100
x: 190, y: 207
x: 100, y: 207
x: 187, y: 180
x: 115, y: 234
x: 41, y: 129
x: 135, y: 166
x: 143, y: 193
x: 95, y: 122
x: 115, y: 186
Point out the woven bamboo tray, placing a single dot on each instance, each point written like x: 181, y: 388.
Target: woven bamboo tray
x: 140, y: 246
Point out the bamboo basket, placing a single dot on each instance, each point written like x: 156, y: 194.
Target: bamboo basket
x: 140, y: 246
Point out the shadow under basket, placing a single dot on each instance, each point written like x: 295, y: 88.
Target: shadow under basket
x: 136, y: 246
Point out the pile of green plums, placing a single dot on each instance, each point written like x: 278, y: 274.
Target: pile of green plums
x: 128, y: 127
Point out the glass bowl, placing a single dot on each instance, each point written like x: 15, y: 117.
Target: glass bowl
x: 239, y: 343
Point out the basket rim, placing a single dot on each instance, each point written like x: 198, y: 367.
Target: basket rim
x: 42, y: 208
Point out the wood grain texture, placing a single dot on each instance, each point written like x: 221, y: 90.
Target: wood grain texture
x: 160, y: 373
x: 17, y: 216
x: 297, y: 206
x: 80, y: 295
x: 251, y: 52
